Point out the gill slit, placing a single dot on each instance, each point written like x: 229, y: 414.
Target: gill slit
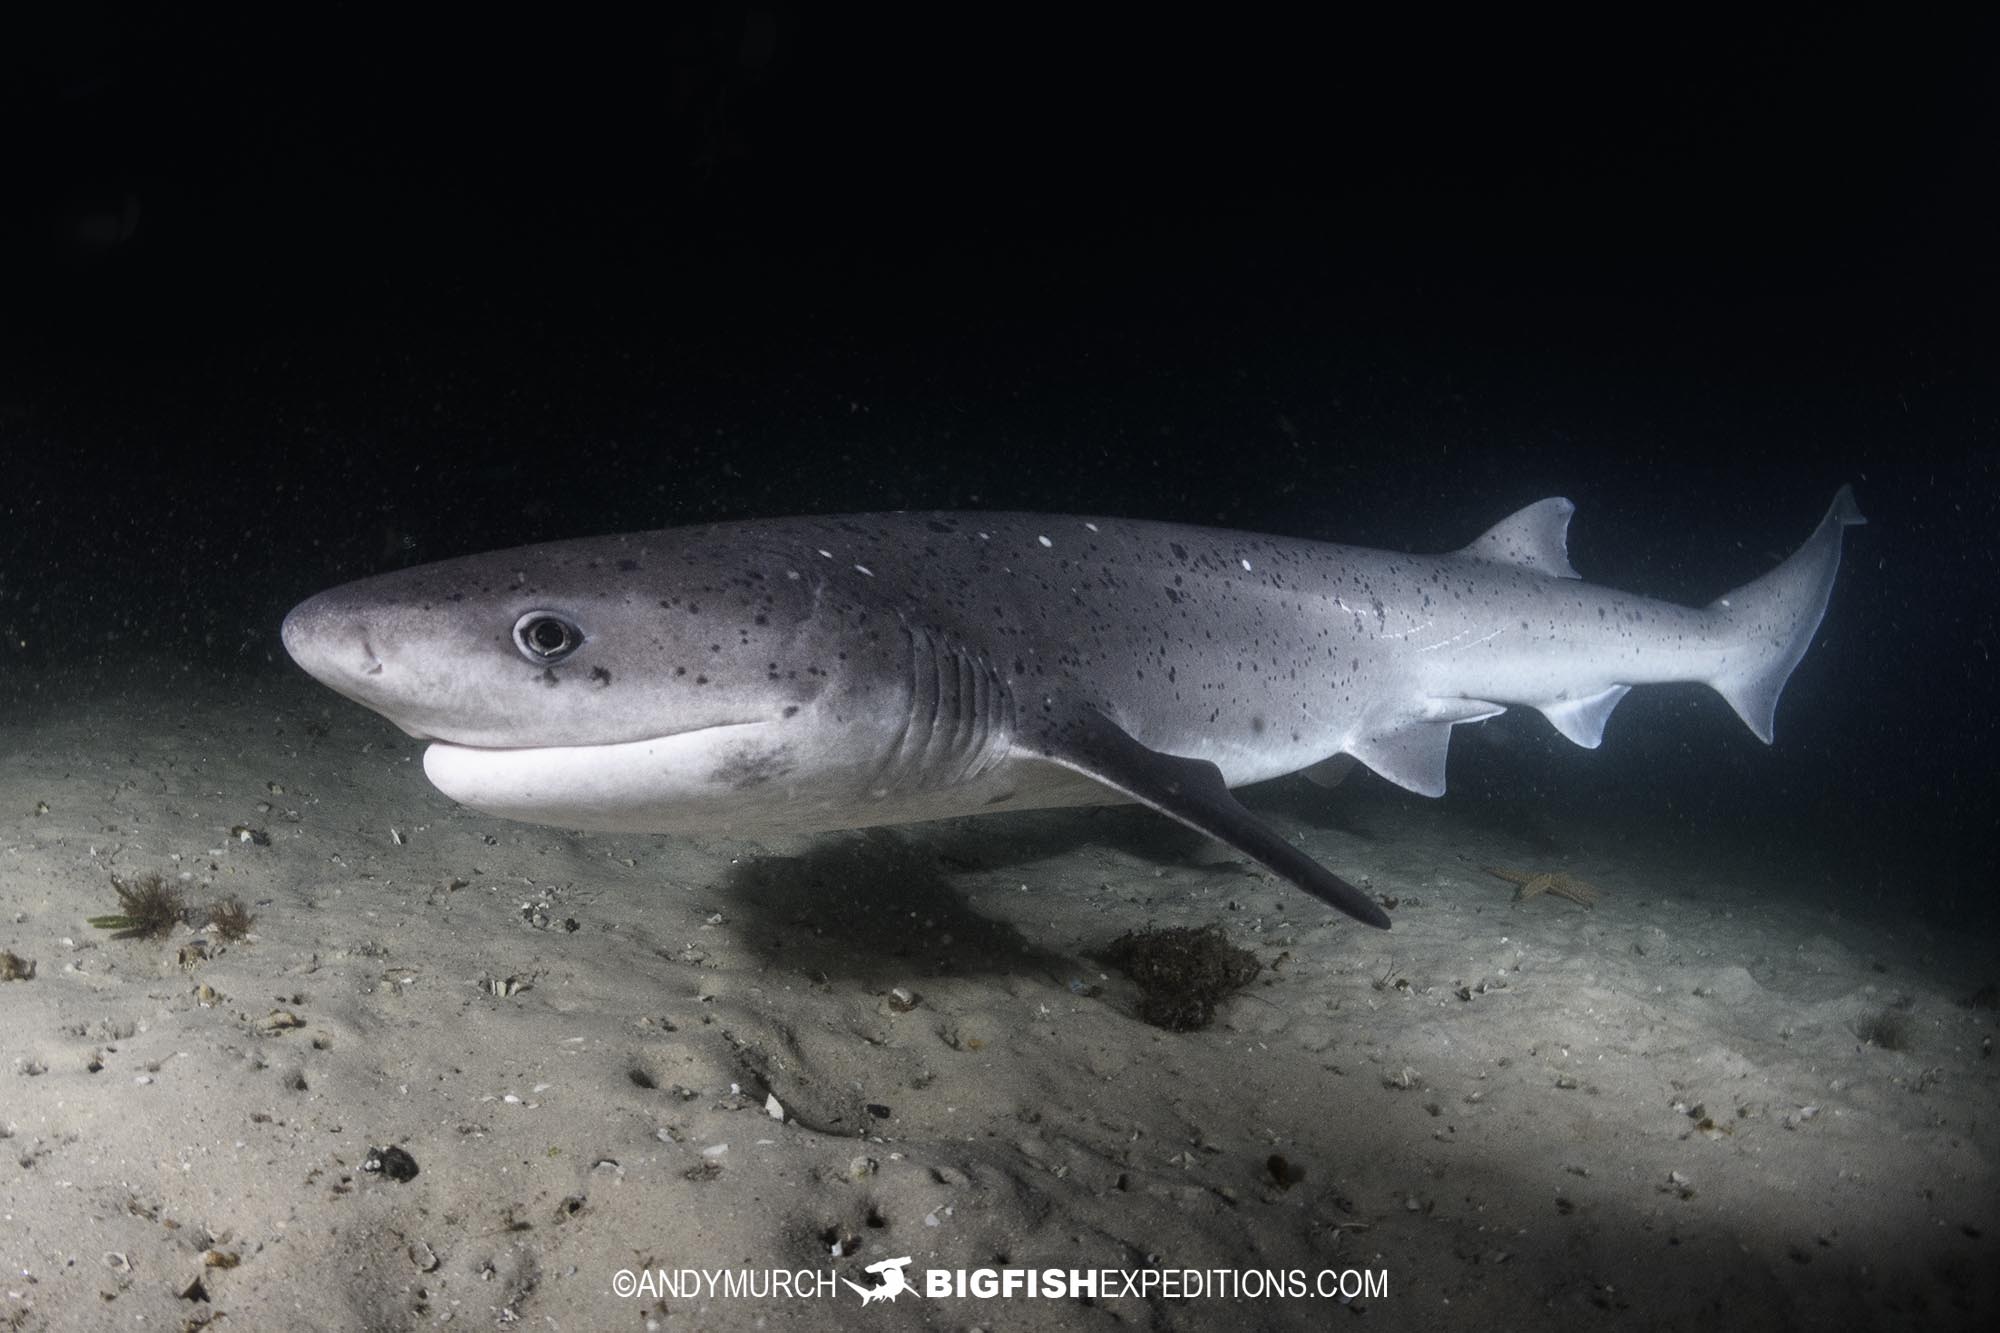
x: 956, y: 726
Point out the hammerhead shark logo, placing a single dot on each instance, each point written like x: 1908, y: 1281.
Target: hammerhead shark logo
x: 893, y: 1282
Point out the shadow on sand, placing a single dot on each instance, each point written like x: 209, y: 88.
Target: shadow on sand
x: 874, y: 908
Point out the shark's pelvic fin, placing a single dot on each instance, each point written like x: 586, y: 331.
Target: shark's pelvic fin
x: 1582, y: 720
x: 1409, y: 748
x: 1331, y: 771
x: 1534, y: 538
x: 1192, y: 791
x: 1776, y: 616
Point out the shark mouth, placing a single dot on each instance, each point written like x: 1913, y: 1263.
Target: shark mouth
x: 440, y: 742
x: 628, y: 786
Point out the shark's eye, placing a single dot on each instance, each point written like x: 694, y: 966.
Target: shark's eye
x: 544, y: 637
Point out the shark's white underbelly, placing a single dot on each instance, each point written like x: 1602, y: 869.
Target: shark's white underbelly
x: 729, y: 781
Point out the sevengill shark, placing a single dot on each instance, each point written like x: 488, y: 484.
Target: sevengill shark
x: 820, y: 673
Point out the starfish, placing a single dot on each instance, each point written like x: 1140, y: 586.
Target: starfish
x: 1559, y: 882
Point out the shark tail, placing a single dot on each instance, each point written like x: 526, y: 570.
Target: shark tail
x: 1773, y: 619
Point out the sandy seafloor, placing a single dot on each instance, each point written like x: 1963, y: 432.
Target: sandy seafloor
x: 1500, y: 1106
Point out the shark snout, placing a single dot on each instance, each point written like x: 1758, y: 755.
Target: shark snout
x: 338, y: 647
x: 326, y: 643
x: 335, y: 646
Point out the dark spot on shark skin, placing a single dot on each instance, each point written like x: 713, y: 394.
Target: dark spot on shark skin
x: 749, y: 766
x: 602, y: 675
x: 628, y: 566
x: 549, y: 677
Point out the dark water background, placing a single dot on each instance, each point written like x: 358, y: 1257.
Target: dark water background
x: 282, y: 305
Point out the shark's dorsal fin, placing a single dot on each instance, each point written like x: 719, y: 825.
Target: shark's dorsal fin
x: 1192, y: 791
x: 1534, y: 538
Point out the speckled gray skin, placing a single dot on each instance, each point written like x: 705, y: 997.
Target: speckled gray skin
x: 815, y: 673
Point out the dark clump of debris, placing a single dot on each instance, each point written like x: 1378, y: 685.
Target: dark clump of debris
x: 1282, y: 1172
x: 152, y: 907
x: 1183, y: 972
x: 13, y: 967
x: 394, y: 1163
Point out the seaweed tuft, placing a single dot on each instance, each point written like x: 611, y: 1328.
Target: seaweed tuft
x: 150, y: 906
x: 229, y: 918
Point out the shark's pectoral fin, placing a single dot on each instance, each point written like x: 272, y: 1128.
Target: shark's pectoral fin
x: 1410, y: 747
x: 1582, y: 720
x: 1192, y: 791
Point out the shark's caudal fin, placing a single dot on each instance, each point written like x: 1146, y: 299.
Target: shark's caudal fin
x: 1775, y: 617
